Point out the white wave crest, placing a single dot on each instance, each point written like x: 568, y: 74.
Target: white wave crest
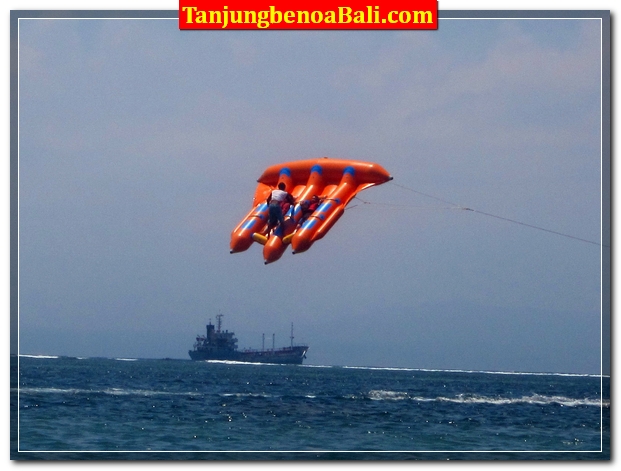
x: 379, y: 395
x: 110, y: 391
x: 263, y: 395
x: 536, y: 399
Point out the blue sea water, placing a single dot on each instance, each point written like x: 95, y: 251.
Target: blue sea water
x: 103, y: 408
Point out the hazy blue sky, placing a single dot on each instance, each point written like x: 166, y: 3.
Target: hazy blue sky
x: 140, y: 146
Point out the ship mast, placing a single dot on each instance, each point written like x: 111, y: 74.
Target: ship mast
x: 292, y: 334
x: 219, y: 317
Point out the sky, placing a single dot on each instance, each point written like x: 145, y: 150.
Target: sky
x: 140, y: 146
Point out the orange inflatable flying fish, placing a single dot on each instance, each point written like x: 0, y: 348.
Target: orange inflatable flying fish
x: 334, y: 181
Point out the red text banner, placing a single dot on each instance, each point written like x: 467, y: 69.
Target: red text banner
x: 335, y: 14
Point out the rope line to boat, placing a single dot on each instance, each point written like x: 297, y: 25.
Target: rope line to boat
x: 454, y: 206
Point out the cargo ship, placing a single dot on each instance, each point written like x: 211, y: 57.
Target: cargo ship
x: 222, y: 345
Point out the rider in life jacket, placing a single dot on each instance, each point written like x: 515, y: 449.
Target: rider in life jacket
x: 308, y: 208
x: 278, y: 203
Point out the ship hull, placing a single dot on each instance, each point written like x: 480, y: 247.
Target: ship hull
x: 289, y: 355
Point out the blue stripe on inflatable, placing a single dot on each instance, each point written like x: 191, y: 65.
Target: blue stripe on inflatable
x: 324, y: 207
x: 309, y: 224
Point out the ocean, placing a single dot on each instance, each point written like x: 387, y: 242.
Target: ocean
x: 66, y: 408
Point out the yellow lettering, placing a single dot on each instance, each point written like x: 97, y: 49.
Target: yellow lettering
x: 239, y: 18
x: 262, y: 19
x: 303, y: 16
x: 289, y: 17
x: 344, y: 15
x: 201, y: 17
x: 316, y: 16
x: 425, y: 16
x: 189, y: 11
x: 250, y: 16
x: 215, y: 16
x: 275, y: 15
